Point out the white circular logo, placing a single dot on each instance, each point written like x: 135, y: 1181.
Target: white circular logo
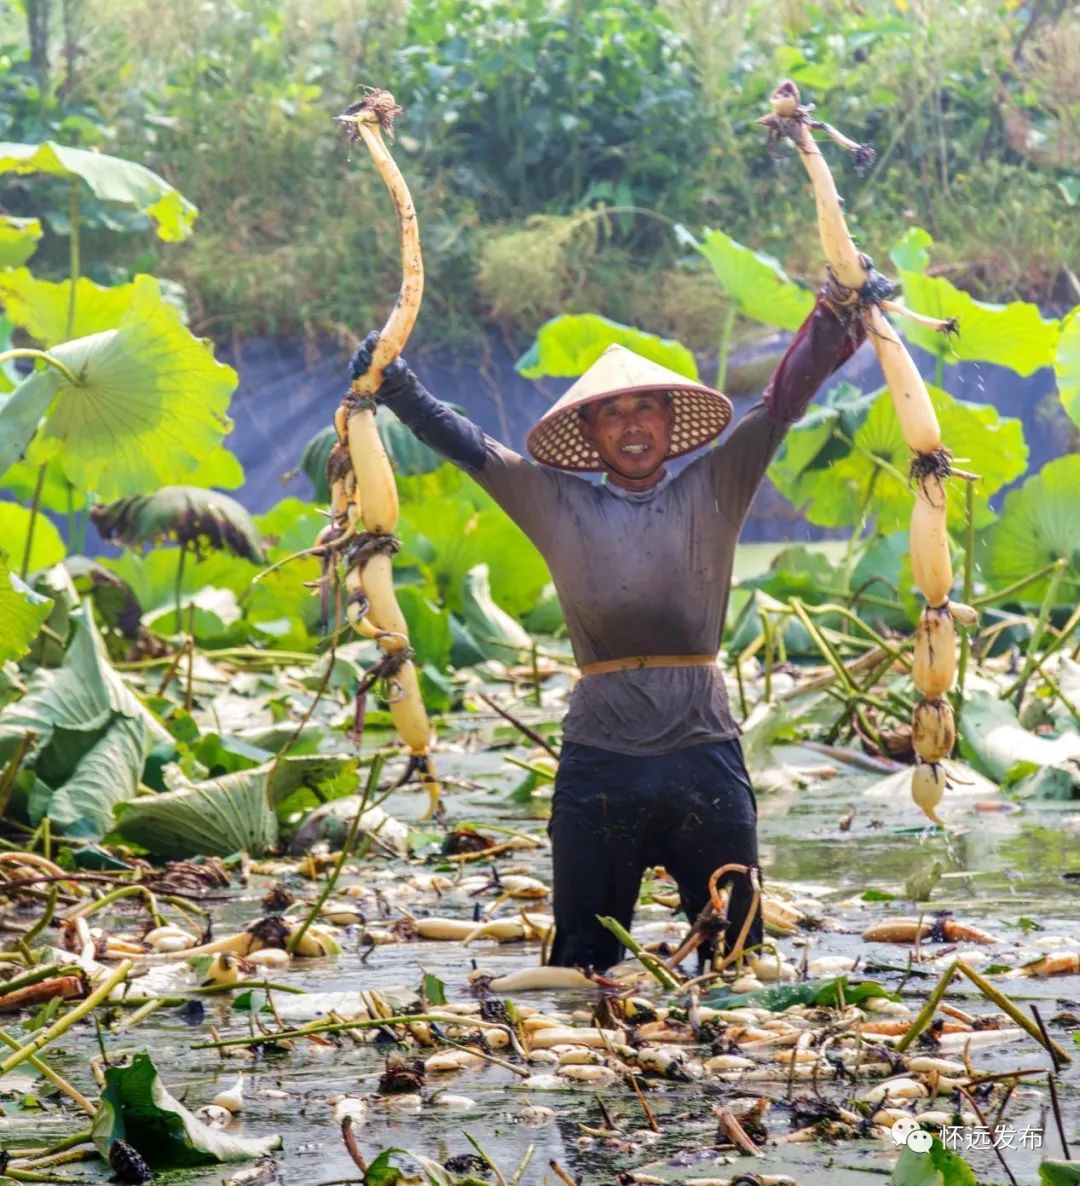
x: 906, y: 1132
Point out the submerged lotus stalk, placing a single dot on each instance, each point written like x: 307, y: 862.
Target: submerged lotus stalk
x: 364, y: 501
x: 935, y: 649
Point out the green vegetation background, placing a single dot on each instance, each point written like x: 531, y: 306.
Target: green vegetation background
x: 527, y: 119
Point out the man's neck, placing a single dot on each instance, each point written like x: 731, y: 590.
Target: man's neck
x: 635, y: 485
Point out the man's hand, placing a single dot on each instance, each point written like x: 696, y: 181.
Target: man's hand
x: 394, y: 373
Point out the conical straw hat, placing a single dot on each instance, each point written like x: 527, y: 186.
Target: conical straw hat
x: 700, y: 413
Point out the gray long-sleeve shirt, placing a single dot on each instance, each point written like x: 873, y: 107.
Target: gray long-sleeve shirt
x: 643, y: 573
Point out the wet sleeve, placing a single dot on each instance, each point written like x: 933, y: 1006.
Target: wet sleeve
x: 450, y: 434
x: 526, y: 492
x: 825, y: 341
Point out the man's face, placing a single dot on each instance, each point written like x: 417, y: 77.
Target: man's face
x: 632, y: 434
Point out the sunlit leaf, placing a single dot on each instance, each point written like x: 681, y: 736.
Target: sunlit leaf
x: 189, y: 515
x: 566, y: 346
x: 22, y: 611
x: 149, y: 406
x: 19, y: 238
x: 1067, y: 365
x: 42, y: 307
x: 1014, y: 335
x: 755, y: 282
x: 46, y: 549
x: 110, y: 178
x: 137, y: 1108
x: 1039, y: 523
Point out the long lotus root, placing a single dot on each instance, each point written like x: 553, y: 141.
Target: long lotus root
x: 935, y: 645
x: 364, y: 499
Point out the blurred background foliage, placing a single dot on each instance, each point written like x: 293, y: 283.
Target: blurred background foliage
x: 550, y: 144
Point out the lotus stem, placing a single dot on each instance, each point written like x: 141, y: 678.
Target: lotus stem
x: 57, y: 1080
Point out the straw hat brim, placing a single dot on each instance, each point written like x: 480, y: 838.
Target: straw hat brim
x: 700, y: 413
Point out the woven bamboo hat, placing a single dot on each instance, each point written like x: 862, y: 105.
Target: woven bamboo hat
x: 700, y: 412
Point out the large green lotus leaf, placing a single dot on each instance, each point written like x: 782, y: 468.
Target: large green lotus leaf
x: 1039, y: 523
x: 1059, y: 1173
x: 189, y: 515
x: 567, y: 345
x: 223, y: 815
x: 110, y: 178
x: 137, y: 1108
x: 754, y: 281
x: 41, y: 307
x: 22, y: 612
x: 19, y: 238
x: 46, y: 548
x: 832, y: 495
x: 429, y: 626
x: 496, y: 633
x: 1067, y: 365
x: 109, y: 774
x: 148, y: 408
x: 1014, y: 335
x: 997, y: 745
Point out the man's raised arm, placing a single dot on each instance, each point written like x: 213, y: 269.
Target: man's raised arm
x: 517, y: 485
x: 824, y: 342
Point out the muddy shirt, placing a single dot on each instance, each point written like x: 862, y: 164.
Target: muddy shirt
x: 642, y: 573
x: 645, y: 573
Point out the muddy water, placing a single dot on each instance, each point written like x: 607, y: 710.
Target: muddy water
x: 995, y: 869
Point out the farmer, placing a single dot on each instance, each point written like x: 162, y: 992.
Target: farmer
x: 651, y: 770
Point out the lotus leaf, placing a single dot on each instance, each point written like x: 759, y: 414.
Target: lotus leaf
x: 106, y: 775
x: 833, y: 478
x: 495, y: 632
x: 1039, y: 523
x: 137, y: 1108
x: 22, y: 611
x: 566, y: 346
x: 223, y: 815
x: 997, y: 745
x: 147, y: 409
x: 110, y: 178
x: 755, y: 282
x: 1016, y: 335
x: 41, y: 306
x: 46, y: 549
x: 195, y: 518
x: 1067, y: 365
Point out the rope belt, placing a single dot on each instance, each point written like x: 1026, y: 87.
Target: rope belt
x: 637, y: 662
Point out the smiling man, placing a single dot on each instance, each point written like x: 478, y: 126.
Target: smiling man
x: 651, y: 770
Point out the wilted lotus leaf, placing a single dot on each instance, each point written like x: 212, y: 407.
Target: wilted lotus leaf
x: 195, y: 518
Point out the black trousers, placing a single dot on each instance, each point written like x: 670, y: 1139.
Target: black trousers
x: 613, y: 816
